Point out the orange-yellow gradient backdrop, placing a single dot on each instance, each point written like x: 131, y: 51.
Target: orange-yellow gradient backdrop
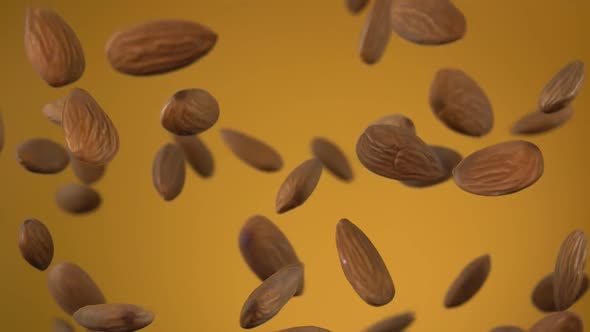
x: 286, y: 71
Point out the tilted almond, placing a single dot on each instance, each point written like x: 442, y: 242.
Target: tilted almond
x: 197, y: 154
x: 569, y: 270
x: 252, y: 151
x: 376, y: 32
x: 77, y: 199
x: 397, y: 323
x: 72, y: 288
x: 298, y: 185
x: 305, y: 329
x: 564, y: 321
x: 449, y: 159
x: 190, y: 112
x: 500, y: 169
x: 89, y: 132
x: 363, y: 266
x: 396, y: 120
x: 43, y: 156
x: 460, y: 103
x: 85, y: 172
x: 271, y: 296
x: 113, y: 317
x: 428, y: 22
x: 35, y: 244
x: 160, y: 46
x: 332, y: 157
x: 507, y: 328
x: 265, y: 248
x: 538, y: 122
x: 469, y: 282
x: 60, y: 325
x: 398, y: 154
x: 54, y: 110
x: 563, y: 88
x: 52, y: 47
x: 168, y: 171
x: 543, y: 295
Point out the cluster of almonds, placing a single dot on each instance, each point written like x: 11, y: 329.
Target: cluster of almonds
x: 389, y: 147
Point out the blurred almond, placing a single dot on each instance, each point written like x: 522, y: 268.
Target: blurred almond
x: 569, y: 270
x: 298, y: 185
x: 507, y: 328
x: 72, y: 288
x: 54, y: 110
x: 563, y: 87
x: 35, y: 244
x: 160, y: 46
x: 469, y: 282
x: 564, y: 321
x: 252, y: 151
x: 269, y: 298
x: 397, y: 323
x: 113, y: 317
x: 376, y: 32
x: 190, y: 112
x: 356, y: 6
x: 52, y: 47
x: 89, y: 132
x: 168, y: 171
x: 60, y: 325
x: 85, y: 172
x: 428, y: 22
x: 77, y: 199
x: 449, y: 159
x: 543, y: 294
x: 305, y: 329
x: 500, y: 169
x: 397, y: 120
x: 538, y: 122
x: 460, y: 103
x: 398, y: 154
x: 362, y: 265
x: 43, y: 156
x: 197, y: 154
x: 332, y: 157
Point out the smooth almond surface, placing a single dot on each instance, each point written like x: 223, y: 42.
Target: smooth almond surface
x: 72, y: 288
x: 469, y: 282
x: 299, y: 185
x: 569, y: 270
x: 397, y: 120
x: 115, y: 317
x: 85, y: 172
x: 36, y: 244
x: 252, y: 151
x: 538, y: 122
x: 543, y: 295
x: 563, y: 88
x: 190, y: 112
x: 376, y: 32
x: 564, y: 321
x: 305, y: 329
x: 77, y: 198
x: 397, y: 323
x: 54, y: 110
x: 449, y: 159
x: 43, y: 156
x: 198, y: 156
x: 332, y: 157
x: 168, y: 171
x: 60, y: 325
x: 356, y: 6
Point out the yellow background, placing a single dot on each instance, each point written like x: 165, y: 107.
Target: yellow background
x: 286, y: 71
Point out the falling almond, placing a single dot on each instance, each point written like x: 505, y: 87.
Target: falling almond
x: 305, y: 329
x: 569, y: 270
x: 36, y: 244
x: 190, y: 112
x: 72, y: 288
x: 397, y: 120
x: 54, y: 110
x: 168, y: 171
x: 507, y: 328
x: 376, y: 32
x: 543, y: 295
x: 77, y: 199
x: 469, y: 282
x: 397, y: 323
x: 197, y: 154
x: 356, y: 6
x: 332, y: 157
x: 564, y: 321
x: 298, y: 185
x: 538, y: 122
x: 252, y: 151
x: 449, y: 159
x: 563, y: 87
x: 60, y: 325
x: 113, y: 317
x: 85, y: 172
x: 43, y: 156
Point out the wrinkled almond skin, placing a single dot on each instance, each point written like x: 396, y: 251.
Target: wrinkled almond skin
x: 90, y: 134
x: 538, y: 122
x: 52, y: 47
x: 298, y: 185
x: 564, y: 321
x: 160, y: 46
x: 469, y: 282
x: 332, y: 157
x: 87, y: 173
x: 376, y: 32
x: 397, y: 120
x: 543, y: 295
x: 569, y: 270
x: 356, y: 6
x: 113, y: 317
x: 507, y: 328
x: 42, y: 156
x: 77, y: 199
x: 271, y: 296
x: 72, y: 288
x: 460, y: 103
x: 252, y: 151
x: 197, y: 155
x: 53, y: 110
x: 190, y: 112
x: 449, y: 159
x: 168, y: 171
x: 305, y: 329
x: 362, y: 265
x: 36, y: 244
x: 563, y: 87
x: 398, y: 154
x: 397, y: 323
x: 500, y: 169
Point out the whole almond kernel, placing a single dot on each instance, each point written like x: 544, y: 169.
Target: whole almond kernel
x: 569, y: 270
x: 89, y: 132
x: 500, y: 169
x: 376, y: 32
x: 113, y: 317
x: 35, y: 244
x: 460, y: 103
x: 356, y: 6
x: 538, y: 122
x: 77, y: 199
x: 160, y: 46
x: 564, y: 321
x: 54, y: 110
x: 397, y: 120
x: 85, y: 172
x: 252, y: 151
x: 72, y: 288
x: 507, y: 328
x: 397, y: 323
x: 398, y: 154
x: 469, y: 282
x: 563, y: 88
x: 60, y: 325
x: 197, y: 154
x: 298, y: 185
x: 543, y: 296
x: 332, y: 157
x: 190, y: 112
x: 52, y: 47
x: 168, y: 171
x: 305, y: 329
x: 43, y: 156
x: 362, y: 265
x: 449, y: 159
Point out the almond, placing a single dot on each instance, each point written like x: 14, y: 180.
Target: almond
x: 305, y: 329
x: 160, y: 46
x: 190, y: 112
x: 72, y: 288
x: 168, y: 171
x: 460, y: 103
x: 35, y: 244
x: 332, y: 157
x: 500, y: 169
x: 397, y: 323
x: 77, y: 199
x: 398, y: 154
x: 538, y: 122
x: 52, y: 47
x: 89, y: 132
x: 113, y: 317
x: 569, y: 270
x: 298, y: 185
x: 54, y: 110
x: 449, y: 159
x: 507, y: 328
x: 252, y: 151
x: 376, y: 32
x: 85, y: 172
x: 564, y: 321
x: 60, y: 325
x: 362, y: 265
x: 397, y: 120
x: 197, y: 154
x: 43, y: 156
x: 469, y: 282
x: 356, y: 6
x: 543, y: 296
x: 563, y: 88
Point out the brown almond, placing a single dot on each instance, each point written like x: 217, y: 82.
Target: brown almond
x: 60, y: 325
x: 35, y: 244
x: 89, y: 132
x: 77, y: 199
x: 298, y: 185
x: 266, y: 249
x: 363, y: 266
x: 460, y: 103
x: 397, y: 120
x: 507, y: 328
x: 469, y: 282
x: 569, y: 270
x: 376, y: 32
x: 449, y: 159
x: 563, y: 88
x: 43, y: 156
x: 538, y: 122
x: 54, y: 110
x: 52, y: 47
x: 397, y: 323
x: 356, y: 6
x: 190, y: 112
x: 564, y: 321
x: 168, y: 171
x: 113, y: 317
x: 72, y: 288
x: 332, y: 157
x: 271, y: 296
x: 305, y: 329
x: 428, y: 22
x: 500, y: 169
x: 197, y: 154
x: 85, y: 172
x: 160, y: 46
x: 252, y: 151
x: 543, y: 294
x: 398, y: 154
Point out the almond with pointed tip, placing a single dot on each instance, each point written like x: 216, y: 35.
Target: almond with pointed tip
x: 114, y: 317
x: 190, y: 112
x: 564, y: 321
x: 538, y: 122
x: 543, y: 294
x: 36, y: 244
x: 376, y: 32
x: 332, y: 157
x: 72, y: 288
x: 77, y: 199
x: 397, y: 120
x: 54, y: 110
x: 569, y: 270
x: 563, y: 88
x: 168, y: 171
x: 42, y: 156
x: 198, y: 156
x: 85, y: 172
x: 305, y: 329
x: 252, y: 151
x: 397, y: 323
x: 298, y: 185
x: 449, y: 159
x: 507, y: 328
x: 469, y: 282
x: 60, y: 325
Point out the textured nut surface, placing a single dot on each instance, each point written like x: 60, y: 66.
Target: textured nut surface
x: 36, y: 244
x: 569, y: 270
x: 543, y: 294
x: 113, y: 317
x: 190, y: 112
x: 168, y: 171
x: 397, y: 120
x: 252, y: 151
x: 77, y: 199
x: 299, y: 185
x: 564, y: 321
x: 563, y: 88
x: 397, y: 323
x: 54, y: 110
x: 538, y: 122
x: 197, y: 155
x: 449, y: 159
x: 376, y: 32
x: 43, y: 156
x: 72, y: 288
x: 469, y: 282
x: 332, y: 157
